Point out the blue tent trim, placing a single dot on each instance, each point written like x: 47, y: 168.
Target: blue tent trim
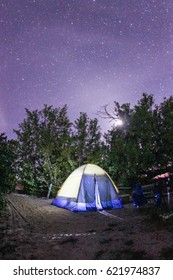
x: 70, y: 204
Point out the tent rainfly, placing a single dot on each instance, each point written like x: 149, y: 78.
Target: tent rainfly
x: 88, y: 188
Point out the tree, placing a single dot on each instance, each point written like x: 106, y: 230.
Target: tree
x: 143, y: 133
x: 117, y: 142
x: 86, y: 140
x: 164, y: 137
x: 7, y: 158
x: 133, y: 149
x: 44, y: 140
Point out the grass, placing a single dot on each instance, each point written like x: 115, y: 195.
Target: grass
x: 99, y: 254
x: 128, y: 254
x: 2, y: 204
x: 69, y: 240
x: 8, y: 248
x: 167, y: 254
x: 129, y: 242
x: 124, y: 254
x: 105, y: 240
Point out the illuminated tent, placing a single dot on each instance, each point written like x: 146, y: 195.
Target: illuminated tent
x: 88, y: 188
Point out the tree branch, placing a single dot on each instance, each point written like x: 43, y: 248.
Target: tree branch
x: 106, y: 115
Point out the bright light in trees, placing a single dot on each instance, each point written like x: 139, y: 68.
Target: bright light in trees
x: 118, y: 122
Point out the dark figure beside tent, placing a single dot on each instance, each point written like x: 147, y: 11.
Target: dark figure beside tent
x: 138, y: 199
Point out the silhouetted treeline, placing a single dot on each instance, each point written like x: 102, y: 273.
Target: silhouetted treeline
x: 49, y: 146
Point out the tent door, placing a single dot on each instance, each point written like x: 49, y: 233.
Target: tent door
x: 97, y: 196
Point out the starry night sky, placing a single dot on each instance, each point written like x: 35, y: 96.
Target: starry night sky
x: 82, y: 53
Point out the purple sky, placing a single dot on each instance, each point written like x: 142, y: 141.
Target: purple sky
x: 82, y: 53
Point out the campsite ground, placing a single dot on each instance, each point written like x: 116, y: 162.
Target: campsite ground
x: 32, y: 228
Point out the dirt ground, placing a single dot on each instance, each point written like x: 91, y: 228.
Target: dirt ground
x: 31, y: 228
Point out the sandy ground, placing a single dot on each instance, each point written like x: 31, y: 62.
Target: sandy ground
x: 32, y: 228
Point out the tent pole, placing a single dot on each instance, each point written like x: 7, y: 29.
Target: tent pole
x: 49, y: 190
